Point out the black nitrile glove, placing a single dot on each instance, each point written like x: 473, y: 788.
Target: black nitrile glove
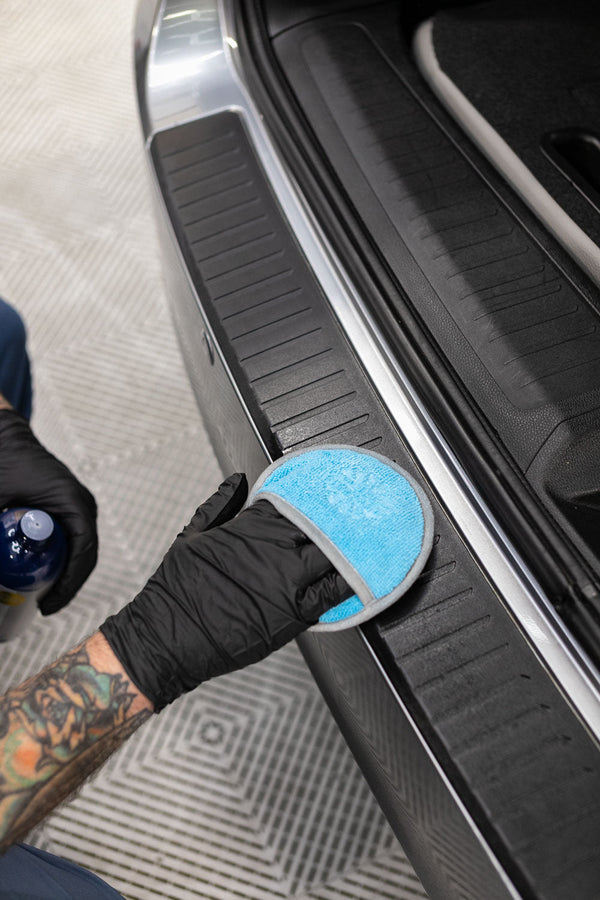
x: 223, y: 597
x: 31, y: 476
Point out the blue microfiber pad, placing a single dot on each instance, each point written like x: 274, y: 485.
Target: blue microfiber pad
x: 366, y: 514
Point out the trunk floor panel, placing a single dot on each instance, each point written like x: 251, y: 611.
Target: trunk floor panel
x: 302, y: 384
x: 503, y: 57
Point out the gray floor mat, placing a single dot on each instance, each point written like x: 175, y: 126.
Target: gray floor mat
x: 244, y: 788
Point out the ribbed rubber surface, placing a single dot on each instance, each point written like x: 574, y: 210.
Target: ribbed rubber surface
x: 522, y: 337
x: 503, y: 727
x: 453, y: 652
x: 263, y: 302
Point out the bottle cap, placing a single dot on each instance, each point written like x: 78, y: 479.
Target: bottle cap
x: 37, y: 525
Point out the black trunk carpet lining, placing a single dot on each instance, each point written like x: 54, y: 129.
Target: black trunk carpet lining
x: 530, y: 69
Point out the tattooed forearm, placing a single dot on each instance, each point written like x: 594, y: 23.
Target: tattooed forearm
x: 57, y: 728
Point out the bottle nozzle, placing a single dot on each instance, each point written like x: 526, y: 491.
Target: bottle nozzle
x: 37, y: 525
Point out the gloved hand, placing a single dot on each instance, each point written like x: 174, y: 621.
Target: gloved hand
x: 228, y: 592
x: 31, y: 476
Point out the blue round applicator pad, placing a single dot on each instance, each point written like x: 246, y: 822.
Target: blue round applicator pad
x: 367, y: 515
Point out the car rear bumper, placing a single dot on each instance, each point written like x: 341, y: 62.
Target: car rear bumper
x: 456, y: 702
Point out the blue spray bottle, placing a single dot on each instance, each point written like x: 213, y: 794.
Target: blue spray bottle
x: 32, y: 554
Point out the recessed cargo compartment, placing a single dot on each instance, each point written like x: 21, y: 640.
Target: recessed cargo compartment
x: 576, y: 152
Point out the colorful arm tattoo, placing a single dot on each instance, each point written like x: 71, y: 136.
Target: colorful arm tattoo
x: 55, y: 730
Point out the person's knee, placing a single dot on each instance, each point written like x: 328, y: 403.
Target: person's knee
x: 15, y: 372
x: 12, y: 328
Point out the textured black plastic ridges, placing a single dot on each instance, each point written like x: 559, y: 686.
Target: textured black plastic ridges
x: 522, y: 337
x: 525, y: 766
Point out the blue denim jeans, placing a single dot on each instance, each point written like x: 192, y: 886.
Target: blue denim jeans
x: 15, y: 375
x: 27, y: 873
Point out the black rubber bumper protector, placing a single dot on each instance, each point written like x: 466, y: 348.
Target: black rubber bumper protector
x: 523, y: 764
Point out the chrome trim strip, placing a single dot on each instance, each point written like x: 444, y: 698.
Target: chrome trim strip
x: 209, y: 80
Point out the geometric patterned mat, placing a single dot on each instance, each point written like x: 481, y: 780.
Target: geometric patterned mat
x: 244, y: 788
